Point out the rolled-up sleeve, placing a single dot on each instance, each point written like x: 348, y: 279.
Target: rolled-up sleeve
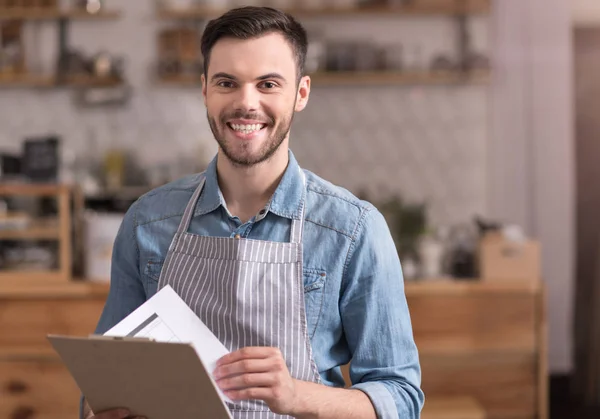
x: 377, y: 324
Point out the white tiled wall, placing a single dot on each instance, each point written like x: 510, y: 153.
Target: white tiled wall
x: 427, y: 143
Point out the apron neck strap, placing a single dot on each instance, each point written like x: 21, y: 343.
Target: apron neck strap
x: 297, y: 224
x: 184, y: 225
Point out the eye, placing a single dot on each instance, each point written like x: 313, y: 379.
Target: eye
x: 225, y: 83
x: 269, y: 84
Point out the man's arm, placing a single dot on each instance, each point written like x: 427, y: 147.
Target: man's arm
x: 385, y: 365
x: 316, y: 401
x: 126, y: 289
x: 377, y: 325
x: 260, y: 373
x: 385, y: 369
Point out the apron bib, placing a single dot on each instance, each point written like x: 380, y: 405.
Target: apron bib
x: 247, y: 292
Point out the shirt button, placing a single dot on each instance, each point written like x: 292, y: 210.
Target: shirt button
x: 237, y: 236
x: 262, y: 211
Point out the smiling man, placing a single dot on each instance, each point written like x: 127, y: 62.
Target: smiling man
x: 297, y: 277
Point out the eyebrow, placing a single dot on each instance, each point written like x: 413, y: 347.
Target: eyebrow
x: 272, y: 76
x: 222, y: 75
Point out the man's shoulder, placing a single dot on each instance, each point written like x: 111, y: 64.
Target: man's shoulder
x: 333, y: 206
x: 168, y: 200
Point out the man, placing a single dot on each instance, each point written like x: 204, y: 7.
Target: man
x: 294, y: 275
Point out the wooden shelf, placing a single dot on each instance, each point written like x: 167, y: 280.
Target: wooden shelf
x: 91, y: 81
x: 446, y: 8
x: 25, y: 80
x: 399, y: 78
x: 180, y: 81
x: 76, y: 14
x: 31, y: 277
x: 58, y: 229
x: 41, y: 81
x: 32, y: 189
x: 43, y: 230
x: 367, y: 78
x: 41, y: 14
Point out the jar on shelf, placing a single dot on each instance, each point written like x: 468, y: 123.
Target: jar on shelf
x: 280, y: 4
x: 241, y: 3
x: 342, y: 4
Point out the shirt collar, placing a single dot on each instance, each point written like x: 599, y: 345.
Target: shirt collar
x: 286, y: 201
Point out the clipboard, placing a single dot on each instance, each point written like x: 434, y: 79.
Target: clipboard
x: 159, y: 380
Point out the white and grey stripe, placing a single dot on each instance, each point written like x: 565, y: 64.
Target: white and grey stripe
x: 248, y: 292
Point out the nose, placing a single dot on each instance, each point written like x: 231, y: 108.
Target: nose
x: 247, y: 98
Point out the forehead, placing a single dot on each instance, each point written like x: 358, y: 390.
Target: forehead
x: 253, y: 57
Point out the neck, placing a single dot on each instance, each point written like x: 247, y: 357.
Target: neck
x: 248, y: 189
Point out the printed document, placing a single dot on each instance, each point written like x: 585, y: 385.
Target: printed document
x: 165, y: 317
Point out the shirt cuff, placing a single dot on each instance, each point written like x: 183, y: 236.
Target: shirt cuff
x: 382, y: 399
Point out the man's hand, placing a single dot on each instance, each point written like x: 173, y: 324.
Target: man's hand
x: 258, y: 373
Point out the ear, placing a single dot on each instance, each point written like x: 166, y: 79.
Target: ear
x: 203, y: 80
x: 303, y: 93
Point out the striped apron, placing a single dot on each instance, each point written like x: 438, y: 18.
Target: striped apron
x: 247, y: 292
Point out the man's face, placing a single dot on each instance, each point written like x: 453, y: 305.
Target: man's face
x: 251, y: 94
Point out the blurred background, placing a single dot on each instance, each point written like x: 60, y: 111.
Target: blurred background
x: 471, y: 124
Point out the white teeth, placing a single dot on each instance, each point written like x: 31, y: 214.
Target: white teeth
x: 246, y: 129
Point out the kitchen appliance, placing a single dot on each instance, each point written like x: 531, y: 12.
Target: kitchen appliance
x: 40, y: 161
x: 10, y: 166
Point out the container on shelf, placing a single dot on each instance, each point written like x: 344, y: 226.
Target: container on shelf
x: 100, y: 233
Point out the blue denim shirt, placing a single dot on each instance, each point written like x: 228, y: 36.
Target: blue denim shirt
x: 354, y: 293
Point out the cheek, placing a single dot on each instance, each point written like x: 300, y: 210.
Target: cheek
x: 214, y: 102
x: 280, y: 107
x: 214, y: 110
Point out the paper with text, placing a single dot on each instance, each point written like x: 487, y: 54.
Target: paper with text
x: 165, y: 317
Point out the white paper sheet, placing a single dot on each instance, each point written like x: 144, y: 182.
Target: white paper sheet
x: 165, y: 317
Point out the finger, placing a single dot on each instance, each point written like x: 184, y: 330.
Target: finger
x: 253, y: 393
x: 250, y: 352
x: 113, y: 414
x: 247, y: 380
x: 246, y: 366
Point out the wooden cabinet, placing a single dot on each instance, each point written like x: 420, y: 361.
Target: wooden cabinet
x: 484, y: 340
x: 39, y: 387
x: 482, y: 347
x: 56, y: 228
x: 34, y: 384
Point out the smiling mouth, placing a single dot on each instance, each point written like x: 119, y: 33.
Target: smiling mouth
x: 246, y: 128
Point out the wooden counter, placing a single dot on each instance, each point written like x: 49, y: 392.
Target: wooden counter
x: 81, y: 288
x: 478, y: 341
x: 484, y: 340
x: 482, y: 348
x: 33, y: 382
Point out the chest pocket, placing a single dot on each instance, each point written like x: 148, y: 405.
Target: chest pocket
x: 314, y: 283
x: 151, y: 276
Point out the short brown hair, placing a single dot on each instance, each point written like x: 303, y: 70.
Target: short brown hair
x: 251, y: 22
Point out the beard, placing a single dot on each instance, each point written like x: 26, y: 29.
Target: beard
x: 241, y: 153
